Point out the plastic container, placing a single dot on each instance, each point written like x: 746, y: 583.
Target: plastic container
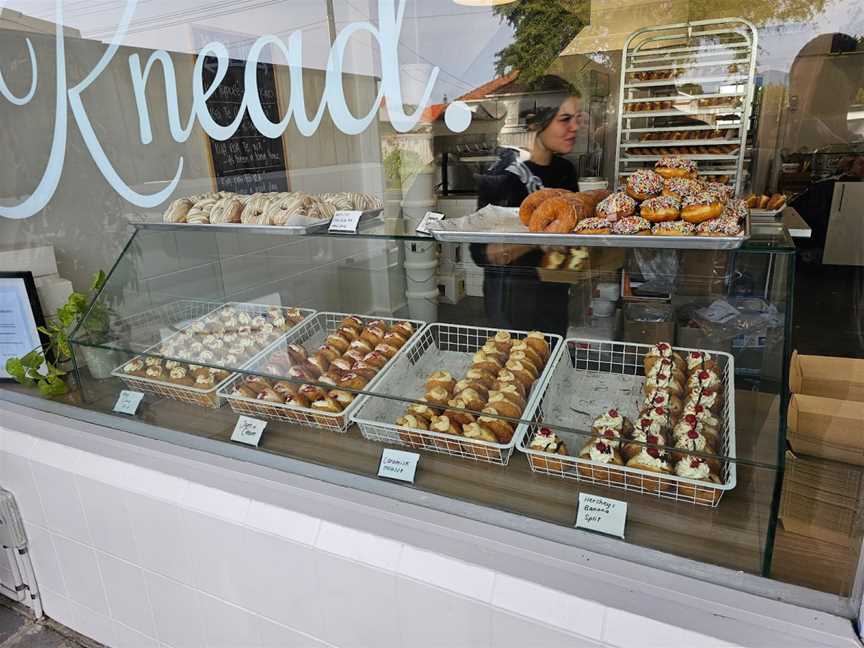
x: 421, y: 251
x: 421, y: 276
x: 451, y: 287
x: 423, y: 303
x: 608, y: 290
x: 602, y: 308
x: 591, y: 184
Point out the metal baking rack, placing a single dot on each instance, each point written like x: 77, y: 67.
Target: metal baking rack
x: 590, y: 377
x: 715, y: 57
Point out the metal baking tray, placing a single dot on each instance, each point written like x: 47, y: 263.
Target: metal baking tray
x: 318, y: 227
x: 507, y: 228
x: 590, y: 377
x: 310, y: 334
x: 446, y: 347
x: 209, y: 398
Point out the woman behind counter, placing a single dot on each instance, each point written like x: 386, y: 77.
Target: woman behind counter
x: 514, y: 295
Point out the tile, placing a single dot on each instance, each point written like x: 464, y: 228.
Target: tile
x: 10, y: 623
x: 56, y: 455
x: 625, y: 629
x: 18, y: 444
x: 357, y: 545
x: 361, y: 604
x: 107, y: 518
x: 283, y: 523
x: 60, y: 501
x: 215, y: 502
x: 431, y: 617
x: 128, y: 638
x: 176, y: 612
x: 280, y: 582
x: 153, y: 483
x: 92, y: 624
x: 127, y: 594
x: 44, y: 559
x: 510, y: 631
x: 17, y: 478
x: 218, y: 552
x: 227, y: 626
x: 57, y: 607
x: 455, y: 575
x: 81, y: 574
x: 271, y: 635
x: 550, y: 606
x: 159, y: 537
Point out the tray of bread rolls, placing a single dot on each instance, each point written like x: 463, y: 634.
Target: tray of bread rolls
x: 193, y: 364
x: 654, y: 420
x: 462, y: 391
x: 313, y: 376
x: 293, y: 212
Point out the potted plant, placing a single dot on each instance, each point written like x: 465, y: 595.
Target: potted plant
x: 46, y: 368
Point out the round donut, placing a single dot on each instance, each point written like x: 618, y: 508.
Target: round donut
x: 177, y: 211
x: 680, y: 187
x: 632, y: 226
x: 533, y: 201
x: 255, y: 212
x: 701, y: 207
x: 594, y: 226
x: 660, y: 209
x: 226, y: 210
x: 616, y: 206
x: 723, y: 226
x: 644, y: 184
x: 673, y: 228
x: 675, y: 167
x: 736, y: 209
x: 723, y: 191
x: 554, y: 216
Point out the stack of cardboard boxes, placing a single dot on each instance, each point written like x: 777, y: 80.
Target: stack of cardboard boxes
x: 823, y: 483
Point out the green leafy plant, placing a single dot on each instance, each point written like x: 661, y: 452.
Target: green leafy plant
x: 34, y: 369
x: 401, y: 167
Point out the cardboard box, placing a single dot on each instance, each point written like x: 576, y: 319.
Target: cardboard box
x: 821, y: 499
x: 694, y: 337
x: 648, y: 323
x: 841, y: 378
x: 702, y: 273
x: 828, y: 428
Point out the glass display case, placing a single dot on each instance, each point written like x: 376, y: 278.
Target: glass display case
x: 314, y: 335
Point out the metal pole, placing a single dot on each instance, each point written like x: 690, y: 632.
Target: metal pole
x: 331, y: 21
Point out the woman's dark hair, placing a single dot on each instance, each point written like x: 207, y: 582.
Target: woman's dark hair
x: 552, y: 92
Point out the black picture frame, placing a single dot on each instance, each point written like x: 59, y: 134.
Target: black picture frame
x: 29, y: 284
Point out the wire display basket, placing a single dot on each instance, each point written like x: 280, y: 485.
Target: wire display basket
x: 209, y: 397
x: 310, y: 334
x: 591, y: 377
x: 442, y: 347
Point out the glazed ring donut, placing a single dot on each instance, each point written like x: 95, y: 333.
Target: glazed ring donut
x: 702, y: 207
x: 532, y: 202
x: 554, y: 216
x: 255, y: 212
x: 660, y: 209
x: 226, y: 210
x: 616, y: 206
x: 177, y: 211
x: 644, y: 184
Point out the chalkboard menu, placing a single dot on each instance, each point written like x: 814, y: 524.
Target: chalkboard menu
x: 248, y: 162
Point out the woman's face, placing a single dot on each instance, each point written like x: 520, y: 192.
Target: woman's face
x: 560, y: 136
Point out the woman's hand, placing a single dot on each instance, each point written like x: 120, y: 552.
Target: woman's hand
x: 502, y: 254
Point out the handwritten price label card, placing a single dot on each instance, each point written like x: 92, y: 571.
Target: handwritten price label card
x: 128, y: 402
x: 398, y: 465
x: 430, y: 219
x: 248, y: 431
x: 602, y: 515
x: 345, y: 222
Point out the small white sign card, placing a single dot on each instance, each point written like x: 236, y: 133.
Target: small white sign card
x: 399, y: 465
x: 345, y: 222
x: 248, y: 431
x: 128, y: 402
x: 428, y: 220
x: 602, y: 515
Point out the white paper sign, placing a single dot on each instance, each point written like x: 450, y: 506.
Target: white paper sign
x: 399, y: 465
x: 431, y: 218
x: 248, y: 430
x: 602, y: 514
x: 128, y: 402
x: 345, y: 222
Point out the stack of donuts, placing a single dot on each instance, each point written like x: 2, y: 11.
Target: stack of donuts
x: 277, y: 209
x: 558, y: 211
x: 668, y: 201
x: 498, y: 383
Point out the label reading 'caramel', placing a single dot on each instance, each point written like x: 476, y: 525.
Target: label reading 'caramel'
x: 399, y: 465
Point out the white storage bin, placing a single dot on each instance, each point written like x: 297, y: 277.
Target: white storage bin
x: 451, y: 287
x: 423, y: 303
x: 420, y: 276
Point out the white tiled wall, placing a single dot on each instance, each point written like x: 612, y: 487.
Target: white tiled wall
x: 134, y: 557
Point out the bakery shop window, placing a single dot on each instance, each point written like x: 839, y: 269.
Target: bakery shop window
x: 602, y: 300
